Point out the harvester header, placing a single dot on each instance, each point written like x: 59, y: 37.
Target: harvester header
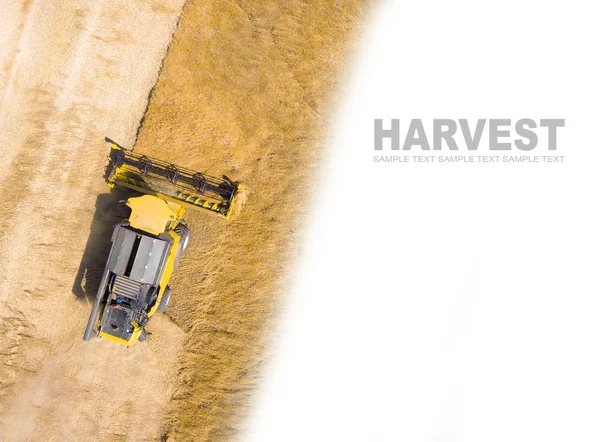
x: 174, y: 183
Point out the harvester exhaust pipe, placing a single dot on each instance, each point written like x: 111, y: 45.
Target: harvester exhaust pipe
x: 174, y: 183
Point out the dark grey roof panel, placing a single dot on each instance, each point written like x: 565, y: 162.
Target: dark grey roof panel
x: 121, y: 250
x: 147, y: 265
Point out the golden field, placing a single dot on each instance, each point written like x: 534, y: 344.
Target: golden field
x: 247, y: 90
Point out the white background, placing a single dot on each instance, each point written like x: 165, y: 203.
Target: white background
x: 448, y: 302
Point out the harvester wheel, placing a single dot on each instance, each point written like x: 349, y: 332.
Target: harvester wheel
x: 184, y: 233
x: 164, y: 301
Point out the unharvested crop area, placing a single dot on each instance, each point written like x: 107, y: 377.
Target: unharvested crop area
x: 246, y: 90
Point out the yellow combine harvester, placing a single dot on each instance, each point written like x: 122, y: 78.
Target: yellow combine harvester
x: 146, y: 247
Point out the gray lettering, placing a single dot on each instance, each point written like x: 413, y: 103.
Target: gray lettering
x: 552, y: 125
x: 521, y: 130
x: 447, y: 135
x: 416, y: 128
x: 472, y: 141
x: 393, y: 134
x: 496, y: 133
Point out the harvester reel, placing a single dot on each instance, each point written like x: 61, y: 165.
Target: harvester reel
x: 145, y: 162
x: 173, y: 172
x: 177, y: 184
x: 201, y: 179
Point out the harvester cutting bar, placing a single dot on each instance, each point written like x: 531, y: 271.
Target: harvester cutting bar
x: 149, y: 175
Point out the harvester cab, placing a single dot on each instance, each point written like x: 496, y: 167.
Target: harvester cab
x: 147, y: 246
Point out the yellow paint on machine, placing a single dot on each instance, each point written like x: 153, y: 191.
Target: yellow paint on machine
x: 166, y: 276
x: 152, y: 214
x: 121, y: 175
x: 159, y: 211
x: 155, y: 216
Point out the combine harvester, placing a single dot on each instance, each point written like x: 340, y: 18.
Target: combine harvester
x: 146, y: 248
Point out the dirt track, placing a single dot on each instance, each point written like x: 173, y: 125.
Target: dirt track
x: 70, y: 75
x: 243, y: 92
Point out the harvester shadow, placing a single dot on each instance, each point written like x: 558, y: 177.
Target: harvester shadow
x: 109, y: 211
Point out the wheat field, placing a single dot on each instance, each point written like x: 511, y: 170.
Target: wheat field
x: 244, y: 89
